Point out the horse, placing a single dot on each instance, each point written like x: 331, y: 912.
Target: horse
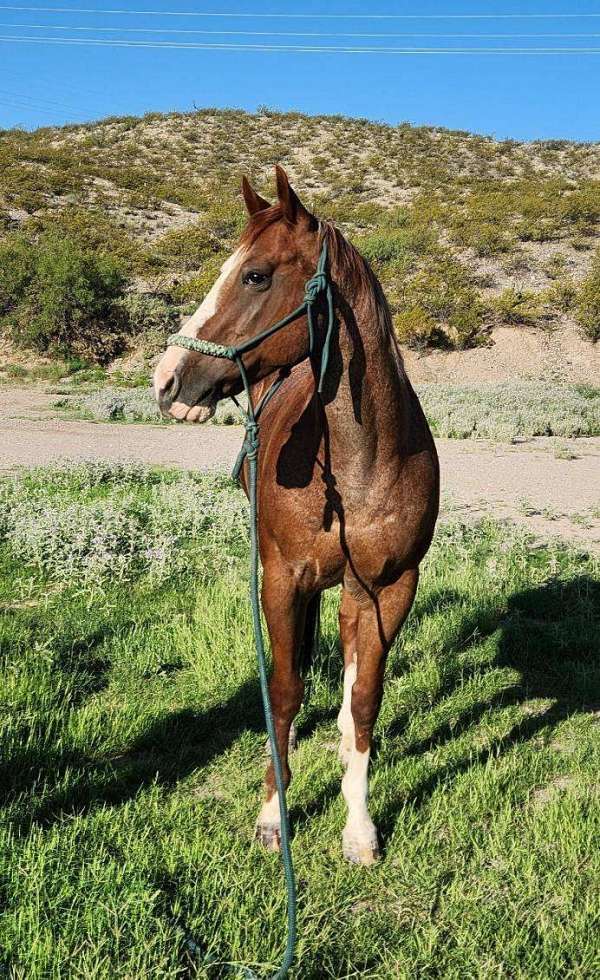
x: 348, y: 471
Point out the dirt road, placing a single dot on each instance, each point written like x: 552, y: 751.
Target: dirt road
x: 526, y: 483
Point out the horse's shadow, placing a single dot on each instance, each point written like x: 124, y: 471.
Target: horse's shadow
x: 549, y: 635
x: 171, y: 748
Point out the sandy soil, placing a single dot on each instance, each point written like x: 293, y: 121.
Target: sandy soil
x: 562, y: 356
x: 526, y: 482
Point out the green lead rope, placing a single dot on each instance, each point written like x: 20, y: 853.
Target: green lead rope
x: 315, y: 286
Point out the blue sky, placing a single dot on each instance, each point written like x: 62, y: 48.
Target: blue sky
x: 520, y: 95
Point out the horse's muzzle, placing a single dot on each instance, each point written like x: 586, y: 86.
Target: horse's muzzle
x: 167, y: 388
x: 175, y: 403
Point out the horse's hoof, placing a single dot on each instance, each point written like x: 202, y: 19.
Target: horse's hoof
x: 269, y: 835
x: 364, y: 852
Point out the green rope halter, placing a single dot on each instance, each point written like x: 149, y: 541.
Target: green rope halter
x: 318, y: 285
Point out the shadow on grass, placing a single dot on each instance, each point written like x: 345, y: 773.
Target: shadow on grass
x: 170, y: 749
x: 550, y: 635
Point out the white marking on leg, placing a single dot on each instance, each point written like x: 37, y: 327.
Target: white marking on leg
x: 268, y: 825
x: 269, y: 813
x: 360, y: 836
x: 345, y: 722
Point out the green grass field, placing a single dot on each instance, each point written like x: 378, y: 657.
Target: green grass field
x: 133, y: 752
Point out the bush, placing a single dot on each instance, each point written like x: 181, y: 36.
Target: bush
x: 588, y: 303
x: 92, y: 230
x: 58, y: 298
x: 389, y: 245
x: 417, y: 329
x: 443, y: 291
x: 17, y: 267
x: 150, y: 319
x: 518, y: 307
x: 563, y: 294
x: 484, y: 238
x: 187, y: 248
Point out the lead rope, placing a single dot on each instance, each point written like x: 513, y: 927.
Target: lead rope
x: 318, y: 284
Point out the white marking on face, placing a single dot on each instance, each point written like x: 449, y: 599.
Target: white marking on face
x: 210, y: 303
x: 173, y: 355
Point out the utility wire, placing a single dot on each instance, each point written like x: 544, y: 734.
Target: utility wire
x: 296, y: 16
x: 318, y: 34
x: 287, y: 48
x: 39, y: 101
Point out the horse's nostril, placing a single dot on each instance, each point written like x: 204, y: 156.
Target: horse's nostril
x: 168, y: 391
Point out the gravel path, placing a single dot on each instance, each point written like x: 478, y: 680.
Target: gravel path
x: 526, y: 482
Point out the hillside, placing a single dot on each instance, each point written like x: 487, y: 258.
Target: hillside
x: 487, y: 249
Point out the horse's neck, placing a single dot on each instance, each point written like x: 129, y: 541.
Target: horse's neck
x: 367, y: 402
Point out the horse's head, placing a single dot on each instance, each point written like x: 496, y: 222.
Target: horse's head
x: 259, y: 284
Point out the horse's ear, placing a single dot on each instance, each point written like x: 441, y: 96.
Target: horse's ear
x: 292, y: 207
x: 254, y: 202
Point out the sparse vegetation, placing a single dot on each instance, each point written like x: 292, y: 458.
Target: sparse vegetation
x: 424, y: 205
x: 588, y: 303
x: 112, y: 404
x: 500, y: 412
x: 511, y: 410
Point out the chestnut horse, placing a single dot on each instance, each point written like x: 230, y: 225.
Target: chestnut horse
x: 348, y: 477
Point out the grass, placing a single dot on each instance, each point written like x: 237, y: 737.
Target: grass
x: 133, y: 751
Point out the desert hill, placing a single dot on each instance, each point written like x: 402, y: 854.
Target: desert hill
x: 486, y: 248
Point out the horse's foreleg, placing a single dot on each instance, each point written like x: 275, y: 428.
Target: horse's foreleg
x: 285, y: 613
x: 349, y: 612
x: 378, y: 623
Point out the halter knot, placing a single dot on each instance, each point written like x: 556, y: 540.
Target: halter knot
x: 252, y: 441
x: 314, y: 286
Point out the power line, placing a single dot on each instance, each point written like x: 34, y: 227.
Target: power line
x: 297, y: 16
x: 289, y: 48
x: 50, y: 103
x: 319, y: 34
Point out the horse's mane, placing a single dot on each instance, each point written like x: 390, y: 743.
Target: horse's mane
x: 355, y: 276
x: 352, y: 273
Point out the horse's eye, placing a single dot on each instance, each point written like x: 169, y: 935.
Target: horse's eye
x: 255, y: 278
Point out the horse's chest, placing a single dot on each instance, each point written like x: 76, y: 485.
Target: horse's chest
x: 323, y: 550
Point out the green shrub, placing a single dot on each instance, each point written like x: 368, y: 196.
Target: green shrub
x: 17, y: 269
x: 588, y: 303
x: 389, y: 245
x: 484, y: 237
x: 417, y: 329
x: 61, y: 299
x: 92, y: 231
x: 518, y: 307
x: 443, y: 291
x: 562, y: 295
x: 185, y: 249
